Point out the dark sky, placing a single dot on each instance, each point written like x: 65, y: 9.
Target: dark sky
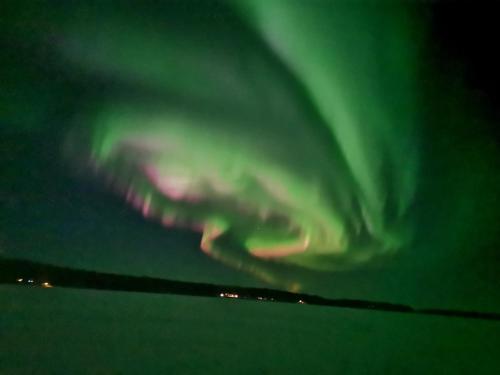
x: 50, y: 213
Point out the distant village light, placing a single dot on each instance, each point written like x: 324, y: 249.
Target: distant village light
x: 229, y: 295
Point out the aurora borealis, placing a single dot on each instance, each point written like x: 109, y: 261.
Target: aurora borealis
x: 283, y: 152
x: 322, y: 145
x: 342, y: 150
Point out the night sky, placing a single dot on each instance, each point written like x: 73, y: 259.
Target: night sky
x: 53, y: 210
x: 343, y: 149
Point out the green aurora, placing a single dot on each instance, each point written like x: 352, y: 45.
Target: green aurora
x: 293, y: 135
x: 281, y: 151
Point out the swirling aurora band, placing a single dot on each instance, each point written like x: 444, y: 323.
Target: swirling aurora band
x: 288, y: 136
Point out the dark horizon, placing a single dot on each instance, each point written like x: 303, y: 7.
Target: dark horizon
x: 15, y: 271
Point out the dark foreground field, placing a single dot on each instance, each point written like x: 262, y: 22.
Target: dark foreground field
x: 61, y: 331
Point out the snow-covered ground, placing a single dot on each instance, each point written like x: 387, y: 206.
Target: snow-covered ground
x: 66, y: 331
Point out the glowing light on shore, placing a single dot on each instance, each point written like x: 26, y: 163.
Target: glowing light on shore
x: 229, y: 295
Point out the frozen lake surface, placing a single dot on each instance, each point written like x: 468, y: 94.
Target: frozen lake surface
x: 67, y: 331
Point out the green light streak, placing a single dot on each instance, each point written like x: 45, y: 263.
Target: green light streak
x: 295, y: 139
